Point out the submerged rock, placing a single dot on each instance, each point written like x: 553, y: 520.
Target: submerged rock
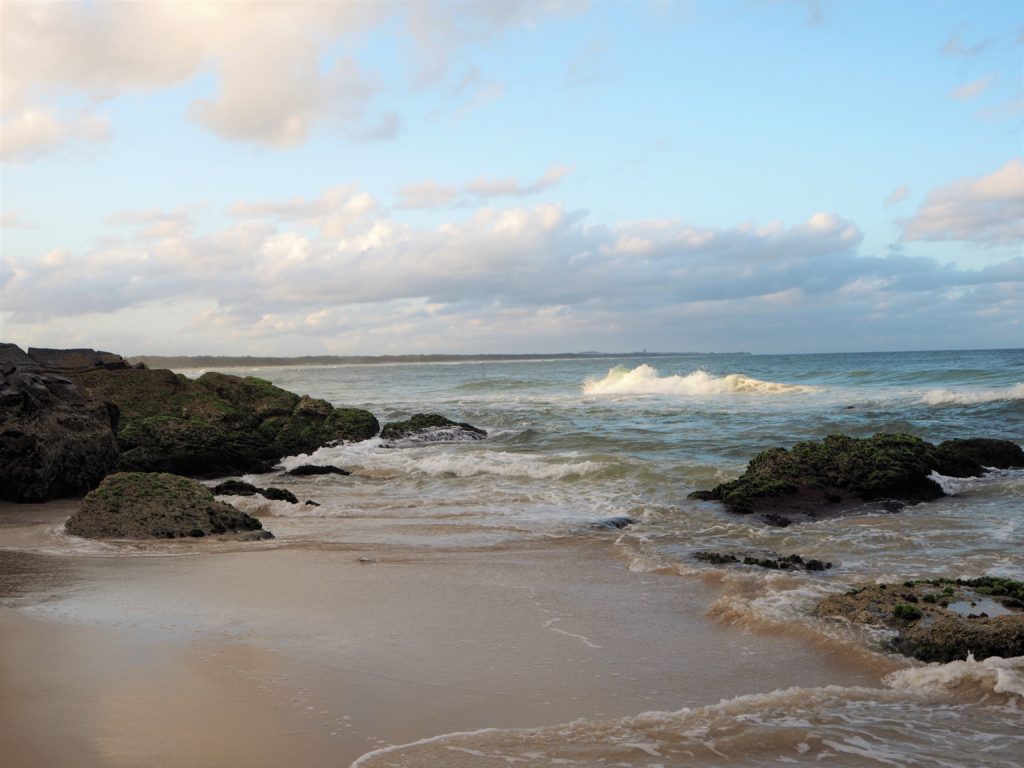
x: 939, y: 619
x: 431, y: 428
x: 55, y: 440
x: 141, y: 505
x: 834, y: 475
x: 217, y: 424
x: 771, y: 560
x: 317, y: 469
x: 612, y: 523
x: 242, y: 488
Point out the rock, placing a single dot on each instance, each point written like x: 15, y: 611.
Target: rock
x: 930, y: 619
x: 217, y: 424
x: 835, y: 475
x: 242, y: 488
x: 54, y: 439
x: 142, y: 505
x: 317, y: 469
x: 311, y: 503
x: 431, y: 428
x: 612, y: 523
x: 77, y: 360
x: 771, y: 560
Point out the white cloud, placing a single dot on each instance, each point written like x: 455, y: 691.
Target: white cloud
x: 972, y: 89
x: 954, y: 47
x: 489, y: 188
x: 898, y: 195
x: 31, y: 133
x: 280, y: 68
x: 427, y: 194
x: 15, y: 220
x: 986, y: 209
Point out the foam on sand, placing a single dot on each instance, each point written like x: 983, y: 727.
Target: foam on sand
x: 645, y: 380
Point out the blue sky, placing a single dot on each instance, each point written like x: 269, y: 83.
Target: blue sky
x: 307, y: 177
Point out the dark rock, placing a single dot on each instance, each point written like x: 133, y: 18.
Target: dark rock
x: 430, y: 427
x: 140, y: 505
x: 242, y: 488
x: 235, y: 488
x: 217, y: 424
x: 317, y: 469
x: 612, y: 523
x: 311, y: 503
x: 770, y: 560
x: 927, y: 628
x: 278, y: 494
x: 77, y: 360
x: 54, y: 439
x: 840, y: 473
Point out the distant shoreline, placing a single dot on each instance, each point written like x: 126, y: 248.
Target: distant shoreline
x: 231, y: 361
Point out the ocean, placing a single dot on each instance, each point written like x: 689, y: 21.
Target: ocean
x: 574, y: 442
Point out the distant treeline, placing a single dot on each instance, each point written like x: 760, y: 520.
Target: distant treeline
x: 228, y: 361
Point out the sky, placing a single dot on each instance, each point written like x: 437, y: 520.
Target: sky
x: 300, y: 178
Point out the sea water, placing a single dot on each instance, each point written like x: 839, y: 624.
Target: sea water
x: 577, y: 441
x: 572, y: 442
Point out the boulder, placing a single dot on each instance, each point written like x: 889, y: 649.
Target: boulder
x: 431, y: 428
x: 242, y: 488
x: 217, y: 424
x: 306, y: 470
x: 939, y: 619
x: 55, y: 440
x: 771, y: 560
x: 835, y: 475
x: 145, y: 505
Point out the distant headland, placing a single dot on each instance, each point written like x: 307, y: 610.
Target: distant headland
x: 233, y: 361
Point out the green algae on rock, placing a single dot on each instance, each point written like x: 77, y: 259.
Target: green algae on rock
x: 819, y: 477
x: 938, y: 619
x: 142, y: 505
x: 217, y: 424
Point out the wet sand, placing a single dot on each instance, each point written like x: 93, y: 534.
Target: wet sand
x: 306, y: 656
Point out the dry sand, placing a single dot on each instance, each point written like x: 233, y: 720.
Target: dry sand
x: 305, y: 656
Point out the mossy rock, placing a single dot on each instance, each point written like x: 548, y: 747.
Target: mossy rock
x: 150, y: 505
x: 927, y: 628
x: 431, y: 427
x: 218, y: 424
x: 826, y: 476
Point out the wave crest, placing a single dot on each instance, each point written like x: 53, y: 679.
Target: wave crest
x: 644, y: 380
x: 972, y: 397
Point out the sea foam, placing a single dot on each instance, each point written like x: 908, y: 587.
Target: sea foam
x: 644, y: 380
x: 972, y: 397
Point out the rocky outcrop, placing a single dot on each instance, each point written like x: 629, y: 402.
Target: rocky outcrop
x: 54, y: 440
x: 217, y: 424
x: 939, y: 619
x: 144, y: 505
x: 822, y: 478
x: 771, y: 560
x: 305, y: 470
x: 431, y: 428
x: 242, y: 488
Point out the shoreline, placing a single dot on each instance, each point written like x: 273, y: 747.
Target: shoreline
x: 306, y: 656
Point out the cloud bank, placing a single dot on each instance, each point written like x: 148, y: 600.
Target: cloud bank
x: 313, y: 271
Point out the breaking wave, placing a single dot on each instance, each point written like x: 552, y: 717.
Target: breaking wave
x: 972, y: 397
x: 906, y: 723
x: 644, y: 380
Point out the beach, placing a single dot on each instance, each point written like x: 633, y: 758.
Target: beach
x: 469, y: 603
x: 314, y: 656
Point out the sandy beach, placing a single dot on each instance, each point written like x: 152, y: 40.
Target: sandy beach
x: 312, y: 656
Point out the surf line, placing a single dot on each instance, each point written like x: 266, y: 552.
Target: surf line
x: 585, y: 640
